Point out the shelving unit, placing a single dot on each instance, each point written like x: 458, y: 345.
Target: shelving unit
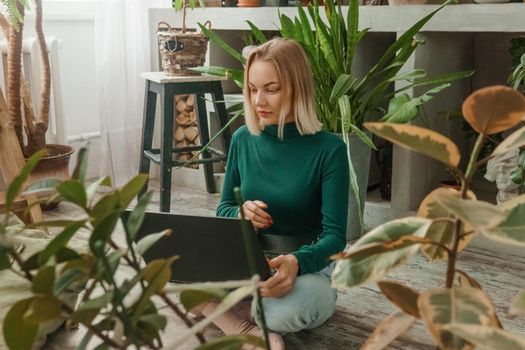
x: 473, y: 36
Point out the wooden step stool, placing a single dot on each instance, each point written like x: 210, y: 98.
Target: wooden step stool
x: 168, y: 87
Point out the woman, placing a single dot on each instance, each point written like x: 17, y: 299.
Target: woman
x: 294, y: 178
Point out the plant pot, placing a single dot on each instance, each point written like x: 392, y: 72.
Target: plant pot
x: 248, y: 3
x: 54, y: 165
x: 360, y: 154
x: 180, y: 51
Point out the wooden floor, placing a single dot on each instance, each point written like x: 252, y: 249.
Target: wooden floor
x: 360, y: 309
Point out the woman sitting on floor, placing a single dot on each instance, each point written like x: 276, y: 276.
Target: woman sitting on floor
x: 295, y: 180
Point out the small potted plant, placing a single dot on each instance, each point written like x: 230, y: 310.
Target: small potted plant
x: 22, y: 115
x: 182, y: 48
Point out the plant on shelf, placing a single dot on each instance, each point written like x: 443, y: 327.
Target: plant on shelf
x: 183, y: 5
x: 343, y: 101
x: 124, y: 301
x: 460, y: 315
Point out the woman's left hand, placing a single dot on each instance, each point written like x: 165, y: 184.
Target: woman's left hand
x: 281, y: 283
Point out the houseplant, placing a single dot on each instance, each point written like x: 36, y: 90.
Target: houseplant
x: 344, y: 101
x: 182, y: 48
x: 117, y: 306
x: 22, y: 115
x: 459, y: 316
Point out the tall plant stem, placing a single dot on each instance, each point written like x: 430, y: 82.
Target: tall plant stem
x: 465, y: 183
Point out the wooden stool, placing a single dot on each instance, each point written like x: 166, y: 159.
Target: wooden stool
x: 169, y: 86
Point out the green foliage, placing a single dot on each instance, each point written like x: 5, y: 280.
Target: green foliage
x: 120, y: 313
x: 14, y: 14
x: 517, y: 175
x: 457, y: 317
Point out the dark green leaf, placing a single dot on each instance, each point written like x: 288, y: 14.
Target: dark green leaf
x: 92, y: 189
x: 516, y: 175
x: 90, y: 309
x: 31, y: 263
x: 19, y: 334
x: 102, y: 232
x: 74, y: 192
x: 43, y: 281
x: 59, y: 242
x: 131, y: 189
x: 105, y: 206
x: 80, y: 171
x: 136, y: 217
x: 64, y: 280
x: 16, y: 185
x: 66, y: 254
x: 5, y: 262
x: 342, y: 85
x: 259, y: 35
x: 217, y: 40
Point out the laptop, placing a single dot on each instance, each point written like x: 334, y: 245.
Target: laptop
x: 209, y: 248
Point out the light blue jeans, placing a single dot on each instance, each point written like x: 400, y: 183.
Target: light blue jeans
x: 310, y: 303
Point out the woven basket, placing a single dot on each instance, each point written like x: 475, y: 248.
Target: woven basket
x: 179, y: 51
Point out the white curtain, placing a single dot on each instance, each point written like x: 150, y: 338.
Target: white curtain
x: 122, y: 50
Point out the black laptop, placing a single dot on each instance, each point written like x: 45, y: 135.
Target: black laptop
x: 209, y: 248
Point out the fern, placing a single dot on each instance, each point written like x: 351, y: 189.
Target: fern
x: 13, y: 14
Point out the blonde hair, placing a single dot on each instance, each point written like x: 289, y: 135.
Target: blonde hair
x: 295, y: 74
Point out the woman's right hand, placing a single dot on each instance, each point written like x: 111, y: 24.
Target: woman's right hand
x: 254, y: 211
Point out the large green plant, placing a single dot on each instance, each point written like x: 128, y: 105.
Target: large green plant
x: 120, y: 312
x: 458, y: 314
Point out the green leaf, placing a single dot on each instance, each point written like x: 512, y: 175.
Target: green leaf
x: 510, y: 229
x: 193, y: 297
x: 480, y: 215
x: 518, y: 304
x: 131, y: 189
x: 104, y: 207
x: 405, y: 109
x: 516, y: 175
x: 16, y: 185
x: 64, y: 280
x: 74, y: 192
x: 102, y: 232
x: 442, y: 231
x: 352, y: 272
x: 80, y: 171
x: 414, y: 138
x: 42, y: 309
x: 363, y: 137
x: 259, y: 35
x: 346, y: 114
x: 43, y: 281
x: 147, y: 241
x: 233, y: 342
x: 388, y: 330
x: 342, y: 85
x: 90, y: 309
x: 19, y: 334
x: 410, y: 75
x: 439, y: 307
x: 60, y: 241
x: 136, y: 217
x: 222, y: 44
x: 5, y: 262
x: 485, y: 337
x: 236, y: 74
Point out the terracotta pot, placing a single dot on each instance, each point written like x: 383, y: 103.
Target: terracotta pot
x: 248, y: 3
x: 54, y: 165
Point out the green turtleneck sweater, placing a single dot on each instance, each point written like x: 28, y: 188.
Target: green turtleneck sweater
x: 304, y: 180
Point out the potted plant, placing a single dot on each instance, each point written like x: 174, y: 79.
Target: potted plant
x: 182, y: 48
x: 344, y: 102
x: 459, y: 315
x: 22, y: 115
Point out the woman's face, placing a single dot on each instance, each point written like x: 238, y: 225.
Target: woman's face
x: 266, y: 93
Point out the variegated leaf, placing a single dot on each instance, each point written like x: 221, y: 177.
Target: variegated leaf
x: 442, y: 231
x: 481, y: 215
x: 439, y: 307
x: 511, y: 142
x: 494, y: 109
x: 512, y: 229
x: 400, y: 295
x: 518, y: 305
x: 388, y: 330
x: 418, y: 139
x: 486, y: 337
x: 352, y: 272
